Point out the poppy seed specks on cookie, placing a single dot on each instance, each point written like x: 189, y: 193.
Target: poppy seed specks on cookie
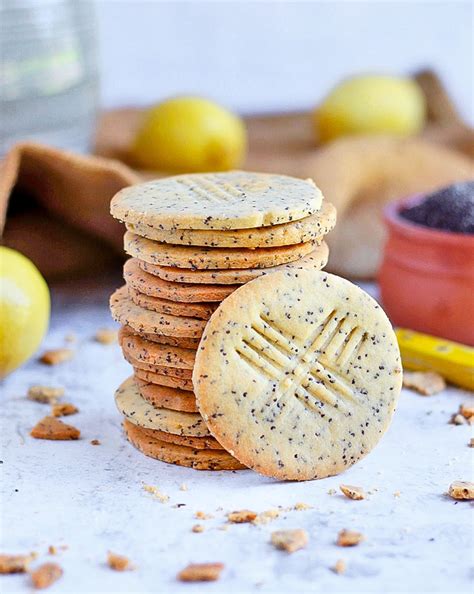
x: 298, y: 374
x: 231, y: 200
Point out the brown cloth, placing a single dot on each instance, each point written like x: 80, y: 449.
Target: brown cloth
x: 54, y: 208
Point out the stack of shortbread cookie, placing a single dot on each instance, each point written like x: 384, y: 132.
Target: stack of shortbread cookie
x: 194, y: 240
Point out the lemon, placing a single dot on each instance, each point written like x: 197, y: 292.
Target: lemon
x: 371, y: 105
x: 190, y: 134
x: 24, y: 309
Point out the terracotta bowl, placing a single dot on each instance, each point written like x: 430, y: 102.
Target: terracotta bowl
x: 427, y: 277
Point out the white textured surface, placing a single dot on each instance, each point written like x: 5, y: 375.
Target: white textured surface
x: 92, y: 499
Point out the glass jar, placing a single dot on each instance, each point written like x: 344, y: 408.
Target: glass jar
x: 48, y: 73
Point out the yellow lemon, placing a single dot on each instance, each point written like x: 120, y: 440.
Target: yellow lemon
x: 24, y: 309
x: 371, y: 105
x: 190, y: 134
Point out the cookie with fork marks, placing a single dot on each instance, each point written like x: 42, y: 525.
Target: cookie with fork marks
x: 298, y: 374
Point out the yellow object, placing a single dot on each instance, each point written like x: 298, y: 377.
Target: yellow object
x: 371, y: 105
x: 454, y: 361
x: 190, y: 134
x: 24, y: 309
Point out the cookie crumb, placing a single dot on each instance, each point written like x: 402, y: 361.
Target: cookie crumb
x: 106, y: 336
x: 425, y: 383
x: 52, y: 550
x: 118, y: 562
x: 46, y: 575
x: 64, y: 409
x: 95, y: 442
x: 356, y: 493
x: 201, y: 572
x: 461, y: 490
x: 15, y: 563
x: 332, y: 491
x: 466, y: 410
x: 349, y: 538
x: 197, y: 528
x: 183, y: 487
x: 223, y: 527
x: 54, y: 429
x: 458, y: 419
x: 266, y: 517
x: 71, y: 337
x: 397, y: 494
x: 289, y: 540
x: 45, y: 394
x: 302, y: 506
x: 339, y: 567
x: 471, y: 442
x: 56, y: 356
x: 241, y: 517
x: 157, y: 494
x: 200, y: 515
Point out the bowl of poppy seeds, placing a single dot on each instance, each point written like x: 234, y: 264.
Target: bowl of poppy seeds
x: 427, y: 273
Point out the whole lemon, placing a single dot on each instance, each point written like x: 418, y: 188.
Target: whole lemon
x: 189, y: 134
x: 24, y: 309
x: 371, y: 105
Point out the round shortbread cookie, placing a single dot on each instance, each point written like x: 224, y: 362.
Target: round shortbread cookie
x: 141, y: 320
x: 158, y: 369
x: 231, y: 200
x: 206, y: 258
x: 177, y: 454
x: 298, y: 374
x: 154, y: 286
x: 310, y: 228
x: 138, y: 411
x: 167, y: 397
x: 153, y: 353
x: 159, y: 379
x: 315, y: 260
x: 199, y: 443
x: 202, y: 311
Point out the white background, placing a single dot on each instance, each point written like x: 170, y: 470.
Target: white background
x: 268, y: 56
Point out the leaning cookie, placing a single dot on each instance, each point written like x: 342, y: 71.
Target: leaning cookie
x: 298, y: 374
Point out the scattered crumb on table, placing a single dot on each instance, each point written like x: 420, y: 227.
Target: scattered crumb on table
x: 462, y: 490
x: 201, y: 572
x: 56, y: 356
x: 46, y: 575
x: 425, y: 383
x: 54, y: 429
x: 106, y: 336
x: 349, y: 538
x: 45, y: 394
x: 290, y: 540
x: 15, y: 563
x: 64, y: 409
x: 157, y: 494
x: 356, y: 493
x: 242, y: 516
x: 118, y: 562
x: 339, y: 567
